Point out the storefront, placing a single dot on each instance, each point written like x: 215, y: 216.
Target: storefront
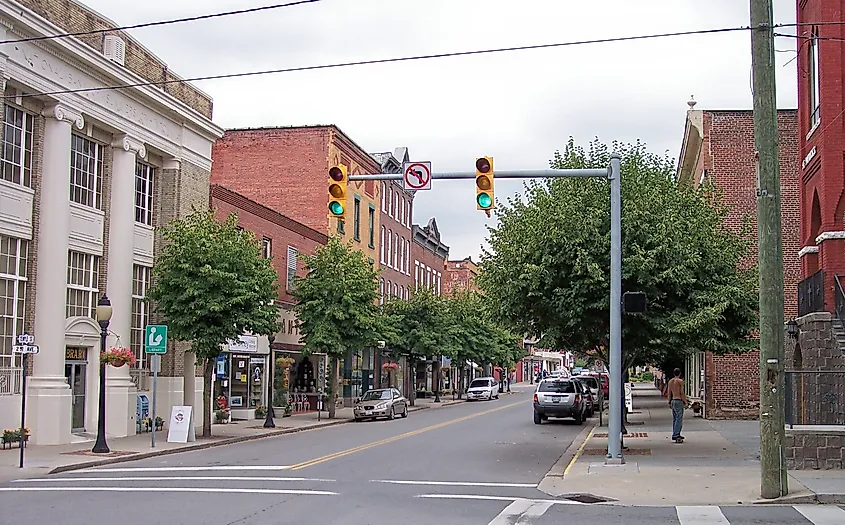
x: 241, y: 376
x: 298, y: 378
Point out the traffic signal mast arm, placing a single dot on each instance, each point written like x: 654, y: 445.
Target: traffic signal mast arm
x: 500, y: 174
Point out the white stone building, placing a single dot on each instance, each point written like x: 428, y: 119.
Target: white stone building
x: 86, y: 178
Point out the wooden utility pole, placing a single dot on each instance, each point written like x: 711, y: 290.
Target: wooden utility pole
x: 773, y: 477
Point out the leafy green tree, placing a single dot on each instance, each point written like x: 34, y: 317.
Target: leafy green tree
x: 548, y: 270
x: 211, y: 285
x: 336, y: 308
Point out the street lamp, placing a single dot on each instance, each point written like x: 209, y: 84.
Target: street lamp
x: 268, y: 422
x: 792, y: 328
x: 103, y: 314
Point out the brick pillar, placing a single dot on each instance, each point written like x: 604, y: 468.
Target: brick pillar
x: 832, y: 261
x: 809, y: 257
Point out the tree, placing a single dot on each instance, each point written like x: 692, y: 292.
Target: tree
x: 548, y: 270
x: 211, y: 285
x: 336, y: 308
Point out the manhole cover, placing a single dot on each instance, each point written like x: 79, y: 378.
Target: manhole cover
x: 634, y: 435
x: 587, y: 498
x: 628, y: 452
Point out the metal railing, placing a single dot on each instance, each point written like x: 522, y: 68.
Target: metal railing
x: 839, y: 305
x: 811, y: 294
x: 815, y: 397
x: 10, y: 381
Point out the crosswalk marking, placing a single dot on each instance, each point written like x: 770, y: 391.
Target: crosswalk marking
x: 514, y: 510
x: 170, y: 489
x: 171, y: 478
x: 701, y: 516
x: 457, y: 483
x: 534, y: 511
x: 822, y: 515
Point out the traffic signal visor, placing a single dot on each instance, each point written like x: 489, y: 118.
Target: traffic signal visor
x: 484, y: 198
x: 337, y: 190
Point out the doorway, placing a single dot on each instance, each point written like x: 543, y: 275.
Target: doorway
x: 76, y: 365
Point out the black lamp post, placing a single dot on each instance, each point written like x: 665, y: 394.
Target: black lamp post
x: 268, y: 422
x: 104, y: 311
x: 792, y: 328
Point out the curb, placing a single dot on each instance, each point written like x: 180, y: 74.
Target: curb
x: 560, y: 465
x: 202, y: 446
x: 804, y: 498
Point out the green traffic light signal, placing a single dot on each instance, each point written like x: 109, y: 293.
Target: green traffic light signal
x: 484, y: 200
x: 336, y: 208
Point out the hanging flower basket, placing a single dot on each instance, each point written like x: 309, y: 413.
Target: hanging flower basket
x: 445, y: 368
x: 284, y: 362
x: 118, y: 357
x: 389, y: 366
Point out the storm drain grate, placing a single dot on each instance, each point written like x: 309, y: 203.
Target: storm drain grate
x: 628, y: 452
x: 587, y: 498
x: 634, y: 435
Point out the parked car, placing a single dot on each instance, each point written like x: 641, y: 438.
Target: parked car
x: 592, y: 400
x: 559, y: 398
x: 483, y: 388
x: 383, y: 402
x: 592, y: 382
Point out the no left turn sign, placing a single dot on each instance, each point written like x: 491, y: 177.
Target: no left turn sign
x: 417, y: 175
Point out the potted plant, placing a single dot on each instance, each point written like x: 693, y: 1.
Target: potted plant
x: 159, y: 423
x: 284, y: 362
x: 118, y: 356
x: 260, y: 411
x: 222, y: 414
x: 19, y: 435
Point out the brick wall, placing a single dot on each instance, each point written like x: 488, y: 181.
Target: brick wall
x: 391, y: 222
x: 815, y: 449
x: 460, y: 275
x: 265, y: 223
x: 73, y: 17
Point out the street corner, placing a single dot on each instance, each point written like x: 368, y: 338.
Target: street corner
x: 557, y: 481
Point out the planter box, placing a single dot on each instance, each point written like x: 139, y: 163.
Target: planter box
x: 10, y: 444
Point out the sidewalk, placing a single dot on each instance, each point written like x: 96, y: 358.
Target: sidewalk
x: 43, y: 460
x: 718, y: 464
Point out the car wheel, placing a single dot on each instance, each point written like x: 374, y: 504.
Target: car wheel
x: 391, y: 415
x: 538, y: 419
x: 405, y: 412
x: 357, y: 419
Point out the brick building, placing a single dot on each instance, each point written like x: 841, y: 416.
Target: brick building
x: 460, y: 275
x: 86, y: 182
x: 395, y: 230
x: 718, y: 148
x: 287, y: 170
x: 282, y: 239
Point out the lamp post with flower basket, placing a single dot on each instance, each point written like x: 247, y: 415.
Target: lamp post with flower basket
x: 390, y: 367
x: 103, y: 315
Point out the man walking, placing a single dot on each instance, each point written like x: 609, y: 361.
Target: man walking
x: 678, y: 401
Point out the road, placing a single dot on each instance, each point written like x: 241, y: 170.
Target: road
x: 473, y: 463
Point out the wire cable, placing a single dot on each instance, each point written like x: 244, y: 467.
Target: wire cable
x: 161, y: 22
x: 388, y: 61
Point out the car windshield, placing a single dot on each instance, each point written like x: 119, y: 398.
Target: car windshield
x: 558, y: 387
x: 374, y: 395
x: 590, y: 381
x: 480, y: 383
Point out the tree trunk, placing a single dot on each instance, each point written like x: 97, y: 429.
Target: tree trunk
x: 207, y: 374
x: 460, y: 383
x: 334, y: 386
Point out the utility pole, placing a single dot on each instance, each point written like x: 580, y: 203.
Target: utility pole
x: 773, y: 476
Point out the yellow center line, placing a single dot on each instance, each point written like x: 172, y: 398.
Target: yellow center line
x: 347, y: 452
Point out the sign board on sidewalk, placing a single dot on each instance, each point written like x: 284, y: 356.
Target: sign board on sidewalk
x: 155, y: 339
x: 417, y: 175
x: 629, y: 397
x: 181, y: 423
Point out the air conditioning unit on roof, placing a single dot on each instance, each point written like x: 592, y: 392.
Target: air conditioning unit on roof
x: 114, y: 48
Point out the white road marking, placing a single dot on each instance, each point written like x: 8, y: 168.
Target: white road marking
x: 456, y: 483
x: 822, y: 514
x: 189, y: 469
x: 514, y: 510
x: 534, y: 511
x: 701, y: 515
x: 496, y: 498
x: 171, y: 478
x: 169, y: 489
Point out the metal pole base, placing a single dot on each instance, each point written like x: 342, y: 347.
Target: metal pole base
x: 268, y: 422
x: 614, y: 461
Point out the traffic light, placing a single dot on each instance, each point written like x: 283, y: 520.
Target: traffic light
x: 337, y: 190
x: 484, y: 184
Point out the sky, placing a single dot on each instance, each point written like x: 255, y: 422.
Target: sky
x: 518, y: 107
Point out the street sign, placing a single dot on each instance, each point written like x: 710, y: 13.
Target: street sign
x: 417, y: 175
x: 155, y: 339
x: 25, y: 349
x: 26, y: 339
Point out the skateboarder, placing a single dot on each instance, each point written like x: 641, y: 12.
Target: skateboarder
x: 678, y: 401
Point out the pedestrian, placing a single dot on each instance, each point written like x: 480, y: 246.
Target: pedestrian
x: 678, y: 401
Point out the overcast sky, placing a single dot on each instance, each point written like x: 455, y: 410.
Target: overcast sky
x: 518, y: 107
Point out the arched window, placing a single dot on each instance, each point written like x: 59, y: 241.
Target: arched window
x: 382, y: 245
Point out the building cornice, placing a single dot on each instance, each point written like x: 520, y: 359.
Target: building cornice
x: 830, y: 236
x: 807, y: 250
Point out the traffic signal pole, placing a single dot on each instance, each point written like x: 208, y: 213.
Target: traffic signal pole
x: 613, y: 174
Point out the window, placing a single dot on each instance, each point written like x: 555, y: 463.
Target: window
x: 356, y: 228
x: 291, y: 263
x: 395, y: 250
x: 140, y: 312
x: 83, y: 276
x: 389, y: 290
x: 390, y: 202
x: 16, y: 156
x: 14, y: 254
x: 266, y: 248
x: 813, y: 54
x: 416, y: 275
x: 408, y: 258
x: 381, y: 291
x: 439, y: 275
x: 383, y: 193
x: 389, y: 246
x: 401, y: 211
x: 340, y: 226
x: 144, y: 193
x: 86, y: 172
x: 372, y: 230
x: 381, y: 247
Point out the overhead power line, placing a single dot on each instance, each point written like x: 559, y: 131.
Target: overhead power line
x: 390, y: 60
x: 161, y: 22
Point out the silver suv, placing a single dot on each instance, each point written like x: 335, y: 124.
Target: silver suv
x: 557, y: 397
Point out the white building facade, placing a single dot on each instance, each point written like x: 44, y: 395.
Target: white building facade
x: 87, y: 179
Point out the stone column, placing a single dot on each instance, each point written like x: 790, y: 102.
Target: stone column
x: 121, y: 391
x: 49, y: 409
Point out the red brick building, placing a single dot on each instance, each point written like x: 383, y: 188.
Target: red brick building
x: 395, y: 236
x: 821, y: 128
x: 718, y: 148
x: 429, y: 255
x: 460, y: 275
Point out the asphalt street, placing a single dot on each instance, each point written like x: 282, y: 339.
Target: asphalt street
x: 473, y: 463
